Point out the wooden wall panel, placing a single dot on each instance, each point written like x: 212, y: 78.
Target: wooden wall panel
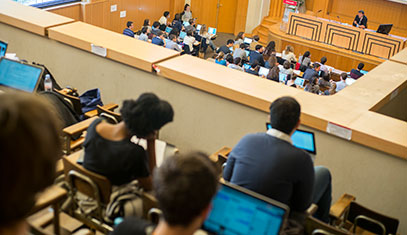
x: 241, y: 16
x: 205, y: 11
x: 72, y: 11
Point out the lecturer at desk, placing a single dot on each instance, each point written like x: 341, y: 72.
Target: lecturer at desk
x: 360, y: 20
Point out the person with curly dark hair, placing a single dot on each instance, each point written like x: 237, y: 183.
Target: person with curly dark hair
x: 108, y: 147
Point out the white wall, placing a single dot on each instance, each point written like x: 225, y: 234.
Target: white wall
x: 256, y: 11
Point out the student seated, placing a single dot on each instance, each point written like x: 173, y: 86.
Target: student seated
x: 239, y: 38
x: 184, y: 186
x: 144, y: 34
x: 109, y: 150
x: 176, y: 23
x: 323, y: 67
x: 158, y: 39
x: 240, y: 52
x: 29, y: 149
x: 146, y: 23
x: 187, y: 13
x: 164, y: 19
x: 305, y: 60
x: 190, y: 41
x: 226, y: 48
x: 269, y: 164
x: 254, y: 68
x: 172, y: 43
x: 256, y: 55
x: 229, y: 59
x: 129, y: 30
x: 271, y: 62
x: 288, y: 54
x: 269, y: 50
x: 342, y: 83
x: 220, y: 59
x: 204, y: 33
x: 331, y: 90
x: 156, y: 28
x: 312, y: 86
x: 355, y: 73
x: 255, y: 42
x: 274, y: 74
x: 312, y: 72
x: 236, y: 64
x: 191, y: 26
x: 287, y: 68
x: 325, y: 82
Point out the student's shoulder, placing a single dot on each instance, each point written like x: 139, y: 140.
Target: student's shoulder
x: 133, y: 225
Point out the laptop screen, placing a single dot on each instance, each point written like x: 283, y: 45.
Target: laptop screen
x: 198, y: 27
x: 211, y: 30
x: 236, y: 210
x: 186, y: 23
x: 282, y: 77
x: 263, y: 71
x: 182, y: 35
x: 3, y: 48
x: 247, y: 40
x: 299, y: 82
x: 168, y: 29
x: 19, y: 75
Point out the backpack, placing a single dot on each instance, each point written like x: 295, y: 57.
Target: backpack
x: 90, y: 99
x: 55, y: 85
x: 125, y: 201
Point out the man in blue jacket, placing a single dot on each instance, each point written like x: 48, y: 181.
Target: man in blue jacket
x: 129, y: 30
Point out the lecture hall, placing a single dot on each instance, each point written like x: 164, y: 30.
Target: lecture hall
x: 248, y: 117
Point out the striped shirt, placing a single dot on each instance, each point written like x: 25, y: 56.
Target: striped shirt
x: 128, y: 32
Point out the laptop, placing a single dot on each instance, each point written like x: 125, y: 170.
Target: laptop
x: 182, y: 35
x: 212, y: 31
x: 299, y: 82
x: 247, y: 66
x: 186, y: 23
x: 168, y: 29
x: 247, y: 41
x: 20, y: 75
x: 198, y: 27
x: 263, y: 71
x: 236, y: 210
x: 302, y: 139
x: 247, y: 53
x: 282, y: 77
x: 3, y: 48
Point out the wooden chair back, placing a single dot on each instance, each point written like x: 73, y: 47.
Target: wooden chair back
x: 110, y: 116
x: 374, y: 222
x: 89, y: 183
x: 314, y: 226
x: 75, y: 101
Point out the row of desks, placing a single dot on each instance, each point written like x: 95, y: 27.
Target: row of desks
x: 350, y: 108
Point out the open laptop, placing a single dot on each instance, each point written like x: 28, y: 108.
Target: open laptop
x: 182, y: 35
x: 20, y: 75
x: 236, y: 210
x: 3, y: 48
x: 247, y: 41
x: 302, y: 139
x: 198, y: 27
x: 186, y: 23
x: 282, y: 77
x: 168, y: 29
x: 263, y: 71
x: 299, y: 82
x: 212, y: 31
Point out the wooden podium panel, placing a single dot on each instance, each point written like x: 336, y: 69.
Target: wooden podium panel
x: 381, y: 45
x: 343, y: 36
x: 306, y: 26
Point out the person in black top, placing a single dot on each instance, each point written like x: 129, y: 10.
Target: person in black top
x: 257, y: 55
x: 226, y: 48
x: 360, y: 20
x: 356, y: 73
x: 312, y: 72
x: 269, y: 164
x: 184, y: 186
x: 109, y: 150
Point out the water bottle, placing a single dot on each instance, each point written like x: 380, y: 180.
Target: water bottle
x: 47, y: 83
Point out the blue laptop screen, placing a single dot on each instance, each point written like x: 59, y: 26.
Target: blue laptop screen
x: 235, y: 212
x: 19, y: 76
x: 168, y: 29
x: 3, y: 48
x: 182, y: 35
x: 304, y: 140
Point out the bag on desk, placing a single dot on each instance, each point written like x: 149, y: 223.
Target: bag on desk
x: 90, y: 99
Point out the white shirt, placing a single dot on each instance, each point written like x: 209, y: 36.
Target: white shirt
x: 279, y: 135
x: 163, y: 20
x: 290, y: 56
x: 189, y: 41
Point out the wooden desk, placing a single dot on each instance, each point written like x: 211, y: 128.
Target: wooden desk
x: 29, y: 18
x: 119, y: 47
x: 400, y: 57
x: 344, y: 36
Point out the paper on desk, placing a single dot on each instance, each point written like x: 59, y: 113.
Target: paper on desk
x: 159, y: 148
x: 278, y: 54
x: 297, y: 72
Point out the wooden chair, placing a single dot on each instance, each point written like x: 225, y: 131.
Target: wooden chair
x: 90, y: 184
x: 315, y: 227
x: 69, y: 143
x: 108, y: 115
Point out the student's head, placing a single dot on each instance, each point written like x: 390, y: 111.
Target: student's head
x: 184, y: 186
x: 29, y: 148
x: 146, y: 115
x: 166, y: 14
x: 271, y: 46
x: 220, y: 56
x: 361, y: 66
x: 317, y: 66
x: 191, y: 22
x: 255, y: 65
x: 237, y: 61
x: 159, y: 33
x: 240, y: 35
x: 203, y: 29
x: 175, y: 31
x: 323, y: 60
x: 190, y: 33
x: 287, y: 64
x: 307, y: 54
x: 361, y: 13
x: 177, y: 17
x: 243, y: 46
x: 326, y: 77
x: 156, y: 24
x: 256, y: 38
x: 259, y: 48
x: 285, y: 114
x: 187, y: 7
x: 173, y: 37
x: 313, y: 80
x: 344, y: 76
x: 144, y: 30
x: 288, y: 49
x: 229, y: 58
x: 230, y: 42
x: 130, y: 25
x: 273, y: 60
x: 146, y: 22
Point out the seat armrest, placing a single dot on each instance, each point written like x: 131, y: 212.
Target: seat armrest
x: 78, y: 127
x: 224, y: 152
x: 312, y: 209
x: 341, y: 206
x: 94, y: 113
